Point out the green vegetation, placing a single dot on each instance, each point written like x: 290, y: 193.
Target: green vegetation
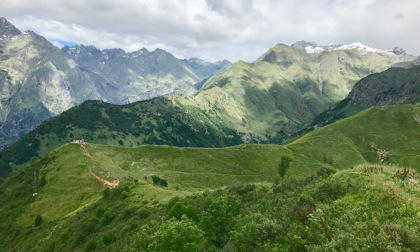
x: 316, y: 212
x: 159, y: 181
x: 391, y: 87
x: 349, y: 179
x: 157, y: 121
x: 38, y: 220
x: 284, y: 165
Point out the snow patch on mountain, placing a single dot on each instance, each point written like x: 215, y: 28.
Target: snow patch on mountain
x: 312, y: 47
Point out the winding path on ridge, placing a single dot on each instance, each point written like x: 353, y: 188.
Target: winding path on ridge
x: 112, y: 184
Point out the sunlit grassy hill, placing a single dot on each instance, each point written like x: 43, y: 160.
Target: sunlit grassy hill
x: 73, y: 198
x: 391, y: 87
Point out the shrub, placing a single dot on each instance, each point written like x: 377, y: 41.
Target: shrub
x: 218, y: 217
x: 174, y: 235
x: 144, y: 213
x: 108, y: 238
x: 163, y: 183
x: 107, y: 193
x: 43, y: 181
x: 90, y: 246
x: 284, y: 165
x: 155, y: 179
x: 38, y: 220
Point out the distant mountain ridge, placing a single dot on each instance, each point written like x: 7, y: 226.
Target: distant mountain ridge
x: 38, y: 80
x: 312, y: 47
x: 206, y: 69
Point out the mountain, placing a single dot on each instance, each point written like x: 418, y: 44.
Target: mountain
x: 312, y: 47
x: 286, y: 88
x: 206, y: 69
x: 7, y: 29
x: 109, y: 198
x: 391, y: 87
x: 38, y: 80
x: 135, y: 76
x: 267, y: 101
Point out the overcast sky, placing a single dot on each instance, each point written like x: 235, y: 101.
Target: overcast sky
x: 216, y: 29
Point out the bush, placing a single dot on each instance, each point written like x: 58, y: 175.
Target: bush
x: 43, y: 181
x: 38, y: 220
x: 155, y: 179
x: 218, y: 217
x: 144, y: 213
x: 90, y: 246
x: 284, y: 165
x: 107, y: 193
x: 159, y: 181
x: 163, y: 183
x: 174, y: 235
x: 108, y: 238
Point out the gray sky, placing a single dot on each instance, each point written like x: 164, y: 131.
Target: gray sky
x: 216, y: 29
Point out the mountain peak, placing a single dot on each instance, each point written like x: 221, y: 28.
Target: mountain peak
x: 7, y: 29
x: 312, y: 47
x: 138, y: 52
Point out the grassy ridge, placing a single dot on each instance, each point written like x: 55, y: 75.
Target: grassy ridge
x: 157, y: 121
x: 360, y: 139
x: 391, y: 87
x: 72, y: 198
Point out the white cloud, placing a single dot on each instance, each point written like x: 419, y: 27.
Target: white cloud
x: 217, y: 29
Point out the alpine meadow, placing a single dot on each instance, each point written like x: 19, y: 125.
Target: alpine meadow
x: 309, y: 147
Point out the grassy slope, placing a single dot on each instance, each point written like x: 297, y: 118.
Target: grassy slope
x: 391, y: 87
x: 286, y: 88
x: 74, y: 193
x: 312, y: 213
x: 342, y: 145
x: 156, y: 121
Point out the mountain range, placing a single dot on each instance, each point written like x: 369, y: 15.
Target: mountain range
x: 38, y: 80
x: 238, y: 105
x: 309, y: 148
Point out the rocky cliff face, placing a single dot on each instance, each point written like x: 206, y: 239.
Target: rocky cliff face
x: 7, y: 29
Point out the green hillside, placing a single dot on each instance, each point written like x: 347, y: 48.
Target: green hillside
x: 305, y: 209
x: 391, y: 87
x: 283, y: 91
x: 158, y: 121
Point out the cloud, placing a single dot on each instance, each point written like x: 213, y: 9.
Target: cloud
x: 399, y: 15
x: 217, y: 29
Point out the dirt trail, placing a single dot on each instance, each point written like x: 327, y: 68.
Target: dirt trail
x: 112, y: 184
x: 84, y: 151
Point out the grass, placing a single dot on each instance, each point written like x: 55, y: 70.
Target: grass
x: 349, y: 146
x: 342, y: 145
